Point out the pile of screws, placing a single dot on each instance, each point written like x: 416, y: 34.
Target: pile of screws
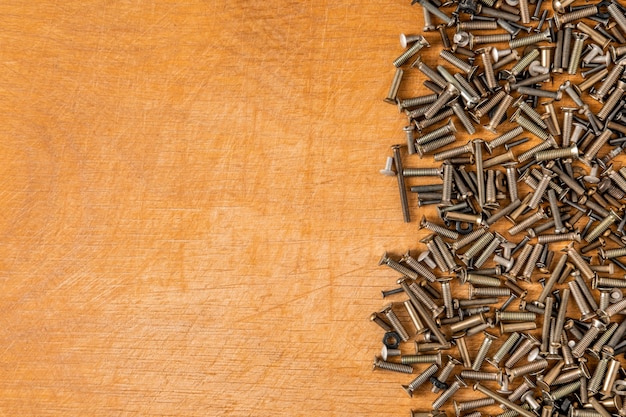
x: 537, y: 355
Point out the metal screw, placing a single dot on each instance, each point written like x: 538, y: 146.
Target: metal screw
x: 390, y: 366
x: 420, y: 379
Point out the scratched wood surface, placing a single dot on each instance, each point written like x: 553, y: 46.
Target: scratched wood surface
x: 191, y: 207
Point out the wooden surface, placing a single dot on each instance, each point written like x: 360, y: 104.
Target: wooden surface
x: 192, y: 213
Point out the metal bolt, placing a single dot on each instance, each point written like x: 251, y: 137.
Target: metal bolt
x: 420, y: 379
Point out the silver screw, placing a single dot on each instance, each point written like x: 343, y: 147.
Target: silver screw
x: 420, y: 379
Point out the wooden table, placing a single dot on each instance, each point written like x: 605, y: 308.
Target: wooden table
x: 192, y: 209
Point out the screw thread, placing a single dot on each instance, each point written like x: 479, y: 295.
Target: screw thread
x: 490, y: 104
x: 421, y: 172
x: 530, y: 126
x: 446, y: 395
x: 485, y: 280
x: 618, y: 16
x: 614, y: 253
x: 577, y: 49
x: 610, y: 282
x: 400, y: 268
x: 476, y: 310
x: 420, y: 269
x: 615, y: 308
x: 601, y: 227
x: 610, y: 103
x: 444, y: 114
x: 532, y: 114
x: 478, y: 25
x: 579, y: 298
x: 447, y: 299
x: 434, y: 251
x: 551, y: 238
x: 532, y: 261
x: 436, y: 144
x: 468, y: 238
x: 406, y: 55
x: 456, y: 61
x: 411, y: 359
x: 566, y: 377
x: 618, y: 180
x: 578, y: 14
x: 525, y: 156
x: 463, y: 118
x: 422, y: 296
x: 538, y: 92
x: 513, y: 413
x: 565, y: 349
x: 446, y: 191
x: 470, y: 405
x: 565, y: 390
x: 445, y: 252
x: 553, y: 154
x: 521, y: 259
x: 395, y: 367
x: 517, y: 316
x: 539, y: 192
x: 529, y: 368
x: 431, y: 74
x: 597, y: 346
x: 511, y: 181
x: 598, y: 376
x: 489, y: 250
x: 521, y: 351
x: 478, y: 245
x: 584, y: 343
x: 608, y: 83
x: 499, y: 112
x: 517, y: 392
x: 481, y: 355
x: 526, y: 223
x: 529, y: 40
x: 600, y: 141
x: 581, y: 412
x: 580, y: 263
x: 451, y: 153
x: 418, y: 101
x: 438, y: 104
x: 615, y: 192
x: 495, y: 38
x: 445, y: 373
x: 524, y: 11
x: 504, y: 138
x: 443, y: 231
x: 479, y: 376
x: 397, y: 326
x: 524, y: 62
x: 423, y: 377
x: 435, y: 134
x: 465, y: 85
x: 504, y: 349
x: 492, y: 292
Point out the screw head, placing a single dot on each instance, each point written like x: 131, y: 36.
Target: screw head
x: 598, y: 324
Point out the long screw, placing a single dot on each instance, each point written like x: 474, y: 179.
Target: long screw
x: 420, y: 379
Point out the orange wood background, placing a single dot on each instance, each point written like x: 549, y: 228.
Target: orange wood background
x: 192, y: 213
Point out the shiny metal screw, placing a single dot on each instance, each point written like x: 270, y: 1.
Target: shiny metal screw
x: 447, y: 394
x: 412, y: 50
x: 395, y: 323
x: 420, y: 379
x: 390, y: 366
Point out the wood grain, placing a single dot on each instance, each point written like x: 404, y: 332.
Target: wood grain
x: 192, y: 211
